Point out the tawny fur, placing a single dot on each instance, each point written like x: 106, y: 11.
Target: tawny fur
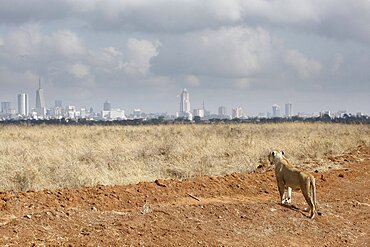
x: 290, y: 178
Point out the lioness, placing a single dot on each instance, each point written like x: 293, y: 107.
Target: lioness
x: 287, y: 176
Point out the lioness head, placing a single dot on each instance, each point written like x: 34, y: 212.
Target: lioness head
x: 275, y: 155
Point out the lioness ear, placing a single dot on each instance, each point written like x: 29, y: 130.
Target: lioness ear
x: 282, y: 152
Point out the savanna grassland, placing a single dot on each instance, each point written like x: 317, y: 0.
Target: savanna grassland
x: 53, y: 157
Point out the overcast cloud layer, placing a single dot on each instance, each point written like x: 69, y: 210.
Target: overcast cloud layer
x: 141, y: 54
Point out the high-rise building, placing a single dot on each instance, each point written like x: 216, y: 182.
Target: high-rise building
x: 107, y: 106
x: 199, y: 113
x: 275, y: 110
x: 237, y: 112
x: 185, y: 105
x: 40, y: 100
x: 83, y: 112
x: 288, y: 110
x: 23, y: 108
x: 71, y: 112
x: 57, y: 111
x: 185, y: 101
x: 222, y: 111
x: 5, y: 107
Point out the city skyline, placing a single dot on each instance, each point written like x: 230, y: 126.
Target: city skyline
x: 108, y: 112
x: 248, y: 54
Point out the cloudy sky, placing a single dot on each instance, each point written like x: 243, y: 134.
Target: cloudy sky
x: 142, y: 53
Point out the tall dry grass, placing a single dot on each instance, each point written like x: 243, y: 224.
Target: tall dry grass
x: 51, y: 157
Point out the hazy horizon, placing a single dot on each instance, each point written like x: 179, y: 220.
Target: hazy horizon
x: 141, y: 54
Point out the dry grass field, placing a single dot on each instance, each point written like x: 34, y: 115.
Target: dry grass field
x: 53, y: 157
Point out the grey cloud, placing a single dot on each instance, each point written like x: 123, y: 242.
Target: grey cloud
x: 348, y: 20
x: 19, y: 11
x: 303, y: 67
x: 227, y: 52
x: 339, y: 19
x: 160, y: 15
x: 139, y: 53
x: 30, y: 47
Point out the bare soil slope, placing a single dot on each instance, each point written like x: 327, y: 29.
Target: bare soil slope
x: 234, y: 210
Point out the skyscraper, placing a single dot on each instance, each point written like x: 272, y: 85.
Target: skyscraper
x: 185, y: 101
x: 275, y: 110
x: 185, y: 105
x: 5, y: 107
x: 23, y: 104
x: 107, y: 106
x: 58, y: 110
x: 237, y: 112
x: 40, y: 100
x: 288, y: 110
x: 222, y: 111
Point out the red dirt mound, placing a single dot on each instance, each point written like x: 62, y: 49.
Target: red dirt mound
x: 234, y: 210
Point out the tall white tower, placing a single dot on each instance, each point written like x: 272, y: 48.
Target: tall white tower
x: 237, y: 112
x: 40, y: 100
x: 288, y: 110
x: 275, y: 110
x: 185, y: 105
x: 23, y: 104
x: 185, y: 101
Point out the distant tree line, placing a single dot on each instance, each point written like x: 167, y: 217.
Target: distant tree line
x: 346, y: 119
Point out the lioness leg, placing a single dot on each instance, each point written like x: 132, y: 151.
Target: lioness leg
x: 313, y: 197
x: 287, y: 195
x: 307, y: 195
x: 289, y: 199
x: 281, y: 188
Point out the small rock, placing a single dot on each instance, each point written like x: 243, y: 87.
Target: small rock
x: 145, y: 209
x: 28, y: 216
x: 160, y: 183
x: 340, y: 175
x: 94, y: 209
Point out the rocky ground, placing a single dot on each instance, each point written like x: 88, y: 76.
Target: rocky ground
x: 234, y: 210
